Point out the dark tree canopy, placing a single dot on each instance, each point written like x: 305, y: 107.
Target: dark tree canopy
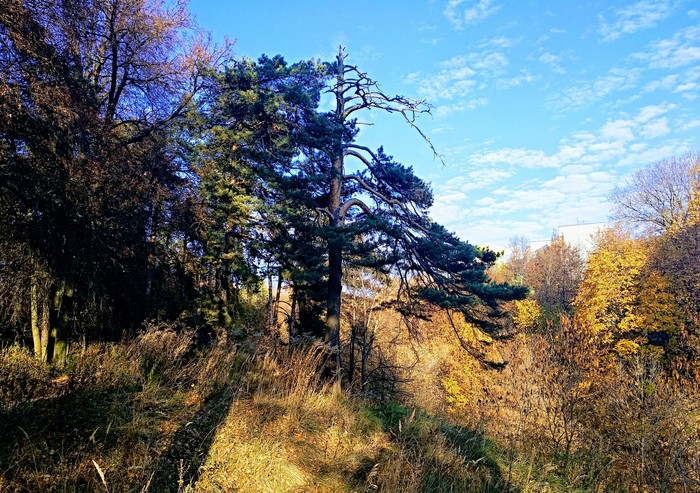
x: 311, y: 212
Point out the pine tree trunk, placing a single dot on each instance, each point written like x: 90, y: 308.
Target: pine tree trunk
x: 335, y: 244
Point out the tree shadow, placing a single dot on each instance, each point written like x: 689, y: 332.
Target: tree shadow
x: 453, y: 458
x: 137, y: 439
x: 181, y: 464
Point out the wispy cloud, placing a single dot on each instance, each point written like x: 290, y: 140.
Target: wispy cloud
x: 460, y: 76
x: 617, y: 79
x: 636, y: 17
x: 553, y: 61
x: 462, y: 82
x: 550, y: 189
x: 444, y: 110
x: 464, y: 12
x: 681, y: 49
x: 614, y: 139
x: 525, y: 158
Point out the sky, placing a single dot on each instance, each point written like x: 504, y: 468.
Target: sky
x: 539, y: 108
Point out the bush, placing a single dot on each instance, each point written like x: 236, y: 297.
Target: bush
x: 22, y: 376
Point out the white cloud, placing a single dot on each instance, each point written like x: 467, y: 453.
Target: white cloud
x: 647, y: 113
x: 444, y: 110
x: 462, y: 79
x: 549, y: 58
x: 463, y: 12
x: 474, y: 180
x: 526, y: 158
x: 589, y: 92
x: 555, y: 62
x: 690, y: 125
x: 524, y: 77
x: 665, y: 83
x: 689, y: 86
x: 681, y: 49
x: 636, y: 17
x: 618, y: 131
x: 657, y: 128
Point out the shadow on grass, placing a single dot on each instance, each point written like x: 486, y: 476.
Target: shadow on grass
x: 149, y: 439
x: 328, y: 443
x: 181, y: 463
x: 438, y: 456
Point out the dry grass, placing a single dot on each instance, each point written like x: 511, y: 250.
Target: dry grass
x: 122, y: 414
x: 296, y: 434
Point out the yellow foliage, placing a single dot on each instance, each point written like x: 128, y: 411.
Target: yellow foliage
x: 622, y: 297
x: 626, y: 348
x: 527, y: 314
x: 610, y: 288
x: 454, y: 393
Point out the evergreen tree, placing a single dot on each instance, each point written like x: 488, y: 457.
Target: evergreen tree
x: 316, y: 213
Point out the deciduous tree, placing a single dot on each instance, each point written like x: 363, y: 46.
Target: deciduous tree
x: 90, y: 93
x: 657, y: 198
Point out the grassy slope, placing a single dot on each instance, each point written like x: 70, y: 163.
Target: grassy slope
x: 157, y: 414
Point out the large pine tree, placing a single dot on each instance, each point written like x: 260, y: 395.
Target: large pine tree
x: 314, y: 211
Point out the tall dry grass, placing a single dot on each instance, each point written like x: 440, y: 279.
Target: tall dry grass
x: 133, y: 415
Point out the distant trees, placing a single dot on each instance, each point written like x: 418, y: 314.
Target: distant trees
x: 554, y: 273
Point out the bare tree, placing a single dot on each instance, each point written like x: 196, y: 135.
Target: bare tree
x: 657, y: 198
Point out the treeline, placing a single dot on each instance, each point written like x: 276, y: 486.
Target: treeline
x: 146, y: 174
x: 602, y: 381
x: 637, y: 289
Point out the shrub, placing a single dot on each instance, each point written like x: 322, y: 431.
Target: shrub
x: 22, y: 376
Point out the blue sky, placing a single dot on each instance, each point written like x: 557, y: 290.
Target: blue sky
x: 539, y: 107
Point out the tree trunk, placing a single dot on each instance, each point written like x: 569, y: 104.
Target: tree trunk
x: 59, y: 333
x: 34, y: 308
x: 335, y: 244
x: 276, y: 307
x: 270, y: 300
x: 293, y: 314
x: 45, y: 327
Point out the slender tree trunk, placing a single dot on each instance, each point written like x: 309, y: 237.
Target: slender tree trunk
x: 34, y: 316
x: 293, y: 314
x: 270, y: 300
x: 276, y: 307
x: 366, y: 349
x: 45, y: 326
